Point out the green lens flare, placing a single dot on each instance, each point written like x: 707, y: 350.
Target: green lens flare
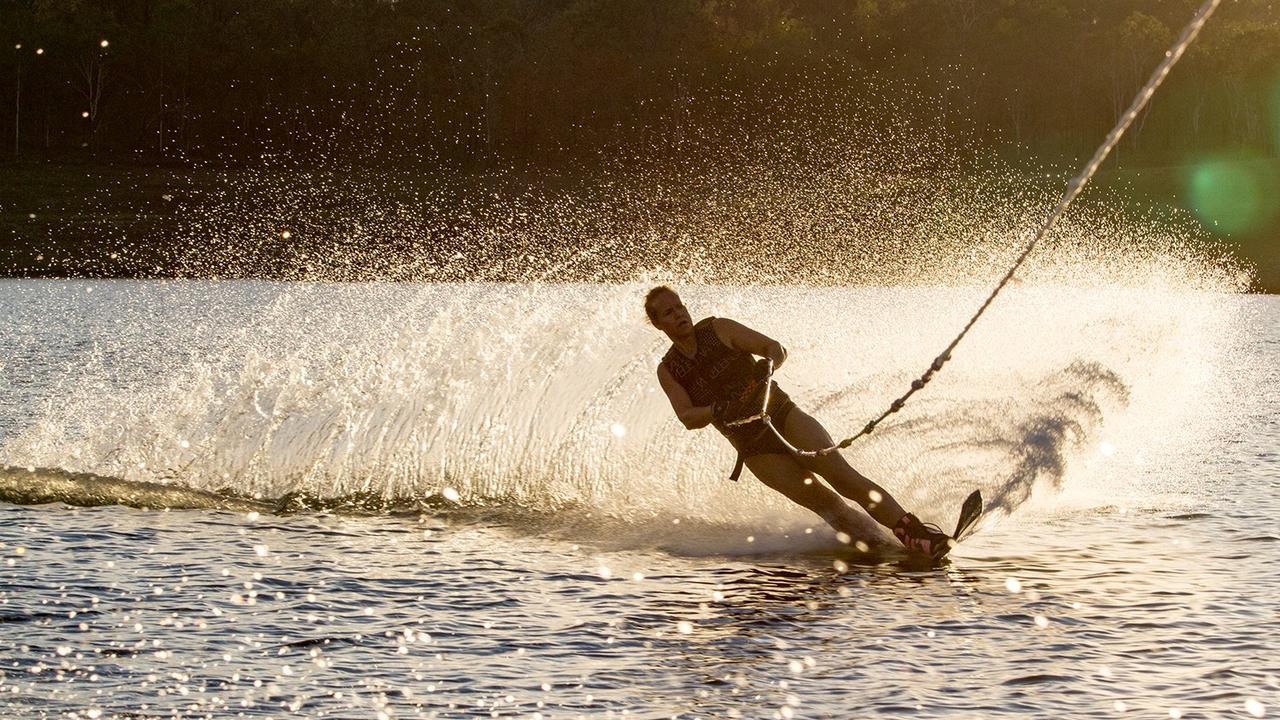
x: 1231, y: 196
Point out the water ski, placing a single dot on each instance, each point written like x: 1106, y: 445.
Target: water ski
x: 970, y: 511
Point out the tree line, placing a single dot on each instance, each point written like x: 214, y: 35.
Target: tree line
x: 472, y: 84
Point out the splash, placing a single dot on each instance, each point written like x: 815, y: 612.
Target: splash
x: 510, y: 396
x: 494, y: 352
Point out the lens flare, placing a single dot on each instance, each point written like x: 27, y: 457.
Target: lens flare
x: 1231, y: 195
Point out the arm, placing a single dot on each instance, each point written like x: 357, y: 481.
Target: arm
x: 691, y: 417
x: 740, y: 337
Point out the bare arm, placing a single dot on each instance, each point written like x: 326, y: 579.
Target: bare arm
x: 740, y: 337
x: 691, y: 416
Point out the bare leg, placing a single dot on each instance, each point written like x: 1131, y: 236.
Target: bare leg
x: 784, y: 474
x: 805, y: 432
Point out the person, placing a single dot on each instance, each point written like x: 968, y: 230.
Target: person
x: 712, y: 376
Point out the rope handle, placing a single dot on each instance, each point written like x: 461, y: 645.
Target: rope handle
x: 763, y: 416
x: 764, y: 406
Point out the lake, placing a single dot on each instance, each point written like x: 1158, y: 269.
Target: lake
x: 252, y: 499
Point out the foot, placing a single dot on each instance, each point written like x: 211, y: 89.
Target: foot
x: 917, y: 537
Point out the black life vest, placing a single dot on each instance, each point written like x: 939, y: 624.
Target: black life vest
x: 719, y: 372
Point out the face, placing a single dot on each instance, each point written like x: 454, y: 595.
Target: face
x: 670, y: 315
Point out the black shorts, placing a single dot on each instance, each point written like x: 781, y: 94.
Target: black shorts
x: 756, y: 438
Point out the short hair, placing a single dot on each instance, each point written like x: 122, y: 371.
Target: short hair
x: 651, y: 295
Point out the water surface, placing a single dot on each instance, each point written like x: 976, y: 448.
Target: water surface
x: 495, y: 514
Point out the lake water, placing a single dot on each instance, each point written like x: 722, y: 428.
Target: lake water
x: 244, y: 499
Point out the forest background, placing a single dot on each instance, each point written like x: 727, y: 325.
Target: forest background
x: 115, y: 106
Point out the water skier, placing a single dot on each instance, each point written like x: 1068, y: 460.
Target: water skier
x: 712, y: 376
